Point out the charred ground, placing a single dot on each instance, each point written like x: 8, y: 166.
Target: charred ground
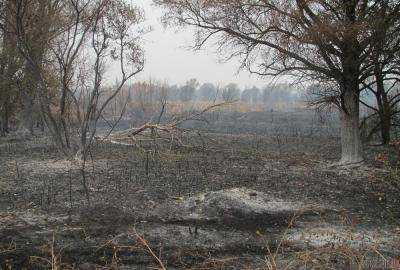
x: 42, y: 197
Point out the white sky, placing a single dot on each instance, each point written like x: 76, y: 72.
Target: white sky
x: 168, y: 57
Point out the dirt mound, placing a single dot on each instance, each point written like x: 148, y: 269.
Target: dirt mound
x: 240, y: 206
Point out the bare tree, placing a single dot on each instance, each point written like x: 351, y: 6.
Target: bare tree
x: 188, y: 90
x: 207, y: 92
x: 384, y: 80
x: 67, y: 47
x: 313, y: 40
x: 149, y: 100
x: 230, y: 92
x: 10, y: 64
x: 81, y: 38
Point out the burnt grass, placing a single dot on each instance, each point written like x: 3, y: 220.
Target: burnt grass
x: 125, y: 182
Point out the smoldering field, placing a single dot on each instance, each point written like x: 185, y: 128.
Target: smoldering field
x: 140, y: 192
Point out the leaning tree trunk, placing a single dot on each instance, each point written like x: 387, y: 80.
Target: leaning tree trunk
x: 352, y: 151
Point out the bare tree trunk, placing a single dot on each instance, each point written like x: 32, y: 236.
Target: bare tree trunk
x: 386, y: 120
x: 385, y: 129
x: 27, y: 111
x: 352, y: 150
x: 4, y: 120
x: 4, y: 127
x: 383, y: 107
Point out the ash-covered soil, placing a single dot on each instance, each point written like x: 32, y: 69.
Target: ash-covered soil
x: 44, y: 208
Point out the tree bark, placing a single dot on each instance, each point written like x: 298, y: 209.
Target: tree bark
x: 385, y: 129
x: 352, y: 150
x: 27, y: 110
x: 386, y: 120
x: 385, y: 116
x: 5, y: 120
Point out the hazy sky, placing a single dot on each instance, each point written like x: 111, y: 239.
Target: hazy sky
x: 168, y: 57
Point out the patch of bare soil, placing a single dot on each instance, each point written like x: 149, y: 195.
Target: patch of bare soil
x: 226, y: 202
